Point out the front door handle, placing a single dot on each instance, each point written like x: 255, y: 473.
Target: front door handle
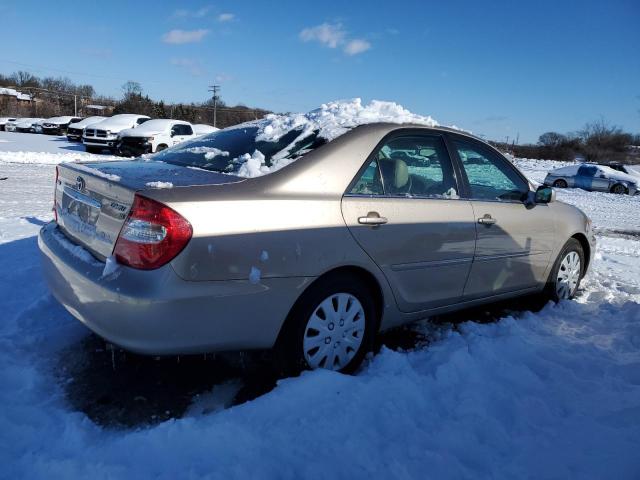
x: 486, y: 220
x: 372, y: 218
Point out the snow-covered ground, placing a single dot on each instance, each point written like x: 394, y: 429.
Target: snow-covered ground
x: 553, y: 394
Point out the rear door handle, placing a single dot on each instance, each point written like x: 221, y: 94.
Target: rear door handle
x: 486, y: 220
x: 372, y: 218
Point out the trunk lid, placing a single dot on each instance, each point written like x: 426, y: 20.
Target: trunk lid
x: 93, y: 199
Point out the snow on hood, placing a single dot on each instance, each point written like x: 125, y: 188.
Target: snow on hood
x: 150, y: 127
x: 331, y: 120
x: 27, y: 122
x: 65, y: 119
x: 88, y: 121
x: 117, y: 121
x: 616, y: 175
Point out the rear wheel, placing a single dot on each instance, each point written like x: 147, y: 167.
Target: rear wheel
x: 161, y: 147
x: 560, y: 183
x: 618, y: 189
x: 332, y: 326
x: 564, y: 281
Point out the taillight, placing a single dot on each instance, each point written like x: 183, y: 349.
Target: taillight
x: 152, y: 235
x: 55, y: 190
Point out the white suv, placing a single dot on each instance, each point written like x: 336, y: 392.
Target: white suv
x: 153, y: 136
x: 104, y: 134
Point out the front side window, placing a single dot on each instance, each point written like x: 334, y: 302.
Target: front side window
x: 489, y: 175
x: 411, y: 166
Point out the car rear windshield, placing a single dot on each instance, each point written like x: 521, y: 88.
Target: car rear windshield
x: 226, y: 150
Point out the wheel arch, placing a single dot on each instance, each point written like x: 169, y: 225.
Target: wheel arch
x: 586, y: 248
x: 349, y: 270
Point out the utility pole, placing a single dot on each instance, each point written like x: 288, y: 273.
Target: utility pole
x: 215, y: 89
x: 75, y: 105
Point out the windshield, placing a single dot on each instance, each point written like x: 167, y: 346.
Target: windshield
x: 238, y: 151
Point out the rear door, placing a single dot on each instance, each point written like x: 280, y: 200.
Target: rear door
x: 514, y: 240
x: 404, y: 211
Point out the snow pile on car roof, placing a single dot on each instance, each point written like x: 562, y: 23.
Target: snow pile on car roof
x: 331, y: 120
x: 336, y: 118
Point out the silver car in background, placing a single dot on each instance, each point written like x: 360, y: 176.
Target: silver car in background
x: 593, y: 178
x: 383, y: 225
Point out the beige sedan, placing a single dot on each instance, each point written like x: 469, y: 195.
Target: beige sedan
x: 208, y: 247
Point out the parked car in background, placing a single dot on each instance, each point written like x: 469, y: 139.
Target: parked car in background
x: 58, y: 125
x: 593, y: 178
x: 28, y: 125
x: 11, y: 125
x: 300, y: 242
x: 200, y: 129
x: 153, y: 136
x: 104, y: 135
x: 4, y: 120
x: 74, y: 130
x: 633, y: 170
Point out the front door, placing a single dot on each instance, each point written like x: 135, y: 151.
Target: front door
x: 514, y: 240
x: 405, y: 212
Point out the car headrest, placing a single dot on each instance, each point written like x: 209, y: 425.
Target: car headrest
x: 395, y: 170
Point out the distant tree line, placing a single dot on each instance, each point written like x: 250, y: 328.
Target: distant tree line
x: 597, y: 142
x: 61, y: 96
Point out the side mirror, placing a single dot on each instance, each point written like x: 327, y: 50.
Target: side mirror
x: 173, y: 133
x: 544, y: 194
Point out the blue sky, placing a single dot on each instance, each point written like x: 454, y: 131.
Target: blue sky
x: 496, y: 68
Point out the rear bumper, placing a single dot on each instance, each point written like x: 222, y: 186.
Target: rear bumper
x: 156, y: 312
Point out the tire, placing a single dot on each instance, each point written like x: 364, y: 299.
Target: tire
x: 618, y: 189
x: 564, y: 279
x: 161, y: 147
x: 335, y: 343
x: 560, y: 184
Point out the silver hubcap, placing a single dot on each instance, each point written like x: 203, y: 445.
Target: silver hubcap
x: 334, y: 332
x: 568, y: 276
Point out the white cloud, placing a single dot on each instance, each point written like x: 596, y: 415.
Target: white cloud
x: 223, y: 77
x: 184, y: 36
x: 184, y: 13
x: 194, y: 67
x: 226, y: 17
x: 330, y: 35
x: 356, y: 46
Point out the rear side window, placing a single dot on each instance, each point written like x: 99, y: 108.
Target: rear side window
x: 181, y: 129
x: 140, y: 121
x: 410, y: 166
x: 370, y: 182
x: 490, y: 176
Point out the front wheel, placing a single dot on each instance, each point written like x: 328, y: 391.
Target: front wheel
x: 560, y: 184
x: 618, y: 189
x: 332, y: 326
x: 567, y: 272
